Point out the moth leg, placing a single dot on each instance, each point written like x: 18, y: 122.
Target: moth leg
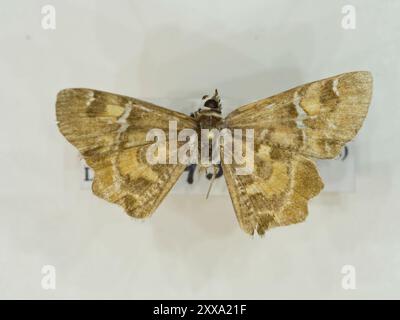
x: 191, y: 168
x: 219, y: 173
x: 213, y: 175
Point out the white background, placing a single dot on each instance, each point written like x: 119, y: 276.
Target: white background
x: 191, y: 248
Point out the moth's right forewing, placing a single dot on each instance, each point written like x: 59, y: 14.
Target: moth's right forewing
x: 315, y: 119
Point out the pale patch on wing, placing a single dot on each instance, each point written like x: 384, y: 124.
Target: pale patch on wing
x: 335, y: 86
x: 114, y: 110
x: 122, y: 120
x: 90, y: 97
x: 301, y: 114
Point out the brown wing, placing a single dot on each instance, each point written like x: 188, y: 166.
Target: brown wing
x: 315, y: 119
x: 276, y: 193
x: 110, y: 130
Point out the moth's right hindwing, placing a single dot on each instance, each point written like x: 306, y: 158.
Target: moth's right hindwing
x: 276, y: 193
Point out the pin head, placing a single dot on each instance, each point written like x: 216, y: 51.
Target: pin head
x: 212, y: 102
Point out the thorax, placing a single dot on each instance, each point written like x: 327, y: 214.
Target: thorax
x: 208, y: 119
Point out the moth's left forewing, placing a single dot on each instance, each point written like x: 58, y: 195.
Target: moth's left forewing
x: 96, y: 121
x: 110, y: 130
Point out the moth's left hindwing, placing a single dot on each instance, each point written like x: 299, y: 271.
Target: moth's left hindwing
x: 110, y: 131
x: 312, y: 120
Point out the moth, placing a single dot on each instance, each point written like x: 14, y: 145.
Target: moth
x: 291, y: 129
